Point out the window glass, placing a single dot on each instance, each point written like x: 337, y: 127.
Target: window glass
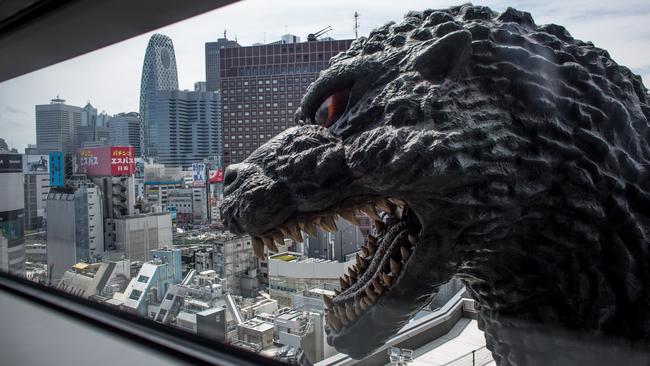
x: 472, y: 169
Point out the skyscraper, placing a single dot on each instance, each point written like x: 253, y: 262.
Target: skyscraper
x: 55, y: 126
x: 93, y: 129
x: 212, y: 75
x: 158, y: 73
x: 189, y: 124
x: 124, y: 130
x: 261, y: 88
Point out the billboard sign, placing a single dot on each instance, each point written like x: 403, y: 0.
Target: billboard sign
x: 216, y: 176
x: 122, y: 160
x: 35, y: 164
x: 198, y: 175
x: 57, y: 171
x: 11, y: 163
x: 106, y: 161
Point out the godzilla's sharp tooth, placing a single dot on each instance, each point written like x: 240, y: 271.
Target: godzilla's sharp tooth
x: 369, y: 210
x: 401, y: 212
x: 284, y: 231
x: 379, y: 289
x: 308, y: 227
x: 405, y: 253
x: 343, y: 283
x: 397, y: 201
x: 363, y: 303
x: 278, y: 238
x: 328, y: 301
x: 328, y: 223
x: 362, y: 263
x: 348, y: 215
x: 352, y: 272
x: 353, y: 277
x: 371, y: 294
x: 379, y: 225
x: 394, y: 266
x: 372, y: 247
x: 388, y: 280
x: 337, y: 292
x: 357, y: 306
x: 349, y: 311
x: 372, y: 239
x: 384, y: 206
x: 365, y: 251
x: 343, y: 316
x: 294, y: 232
x: 348, y: 279
x: 258, y: 247
x: 412, y: 239
x: 268, y: 242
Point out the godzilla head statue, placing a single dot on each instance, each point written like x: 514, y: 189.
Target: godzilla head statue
x: 486, y: 147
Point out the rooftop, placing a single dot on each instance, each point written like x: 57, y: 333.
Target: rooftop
x: 455, y: 347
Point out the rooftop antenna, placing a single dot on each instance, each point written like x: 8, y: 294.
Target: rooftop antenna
x: 225, y: 34
x: 356, y: 25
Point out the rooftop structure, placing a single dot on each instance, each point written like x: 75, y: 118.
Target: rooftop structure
x: 290, y: 273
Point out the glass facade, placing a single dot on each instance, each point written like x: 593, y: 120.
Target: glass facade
x: 158, y: 73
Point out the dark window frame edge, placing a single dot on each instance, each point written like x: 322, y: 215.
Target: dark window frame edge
x: 181, y: 345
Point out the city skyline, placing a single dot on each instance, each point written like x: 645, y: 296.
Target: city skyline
x: 110, y: 77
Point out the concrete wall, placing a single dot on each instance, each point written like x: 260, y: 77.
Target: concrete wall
x: 137, y: 235
x: 61, y: 237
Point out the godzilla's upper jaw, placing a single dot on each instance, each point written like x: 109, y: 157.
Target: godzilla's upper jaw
x: 391, y: 280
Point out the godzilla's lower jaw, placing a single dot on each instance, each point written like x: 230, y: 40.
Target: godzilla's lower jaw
x: 371, y: 305
x: 373, y: 301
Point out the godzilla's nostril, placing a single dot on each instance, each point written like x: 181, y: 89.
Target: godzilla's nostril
x: 230, y: 175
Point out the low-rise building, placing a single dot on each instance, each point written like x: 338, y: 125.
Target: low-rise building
x: 137, y: 235
x: 234, y: 261
x: 290, y: 273
x: 146, y: 291
x: 257, y: 332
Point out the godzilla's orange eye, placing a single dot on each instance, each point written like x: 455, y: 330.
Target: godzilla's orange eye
x: 332, y: 108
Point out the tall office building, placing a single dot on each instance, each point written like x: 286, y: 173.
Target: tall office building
x: 189, y: 127
x: 261, y: 88
x: 158, y: 73
x: 93, y: 128
x: 212, y: 62
x: 124, y: 130
x: 55, y: 126
x: 12, y: 214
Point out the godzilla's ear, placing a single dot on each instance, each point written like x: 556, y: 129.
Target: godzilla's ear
x: 445, y: 57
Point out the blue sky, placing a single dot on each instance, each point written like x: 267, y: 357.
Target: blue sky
x: 110, y: 77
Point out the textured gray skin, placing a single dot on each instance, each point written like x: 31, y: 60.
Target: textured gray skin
x: 523, y: 152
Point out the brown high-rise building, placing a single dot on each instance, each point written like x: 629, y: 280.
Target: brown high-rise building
x: 261, y: 88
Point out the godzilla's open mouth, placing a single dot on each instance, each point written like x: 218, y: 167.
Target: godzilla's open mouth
x: 379, y: 265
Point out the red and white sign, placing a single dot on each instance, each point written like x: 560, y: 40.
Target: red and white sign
x: 104, y: 161
x: 216, y: 176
